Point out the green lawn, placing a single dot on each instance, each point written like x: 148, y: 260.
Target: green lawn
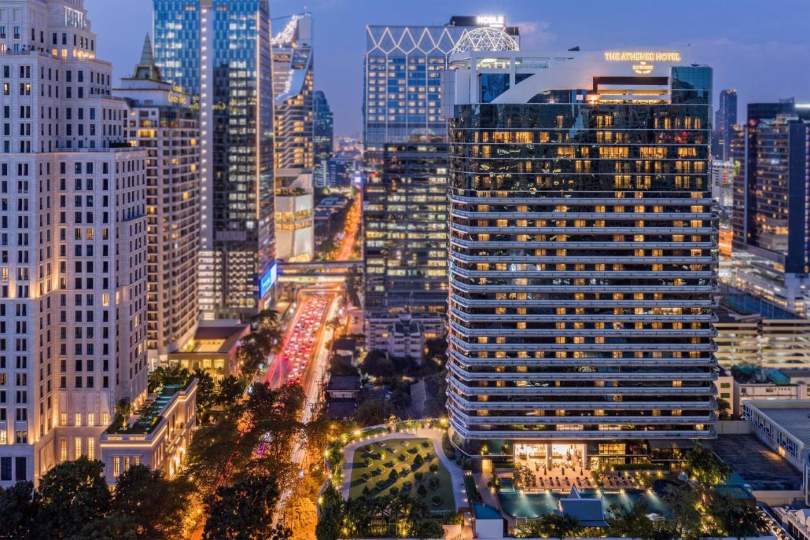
x: 427, y: 480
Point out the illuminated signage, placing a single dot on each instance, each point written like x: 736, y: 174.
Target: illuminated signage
x: 268, y: 280
x: 643, y: 68
x: 642, y: 56
x: 490, y: 20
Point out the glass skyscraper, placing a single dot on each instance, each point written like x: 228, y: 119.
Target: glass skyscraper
x: 724, y: 118
x: 405, y: 102
x: 219, y: 52
x: 582, y: 256
x: 771, y: 217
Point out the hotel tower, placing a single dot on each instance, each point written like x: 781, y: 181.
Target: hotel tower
x: 583, y: 256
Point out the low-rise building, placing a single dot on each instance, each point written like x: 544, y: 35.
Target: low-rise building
x: 346, y: 348
x: 157, y: 435
x: 746, y: 383
x: 406, y: 338
x: 213, y: 348
x: 753, y: 331
x: 342, y: 394
x: 783, y: 426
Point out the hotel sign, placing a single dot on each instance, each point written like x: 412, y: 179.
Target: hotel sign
x: 642, y: 56
x: 643, y: 60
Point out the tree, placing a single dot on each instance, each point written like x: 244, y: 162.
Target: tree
x: 206, y: 394
x: 352, y: 288
x: 551, y: 525
x: 738, y: 518
x: 113, y: 526
x: 70, y: 496
x: 229, y: 391
x: 331, y: 514
x: 634, y: 523
x: 242, y: 511
x: 372, y: 412
x: 208, y: 457
x: 152, y: 503
x: 18, y: 509
x: 169, y: 374
x: 704, y: 466
x: 686, y: 518
x: 378, y: 364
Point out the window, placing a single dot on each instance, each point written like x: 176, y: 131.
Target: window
x: 77, y: 447
x: 116, y: 466
x: 20, y: 469
x: 91, y: 448
x: 63, y: 450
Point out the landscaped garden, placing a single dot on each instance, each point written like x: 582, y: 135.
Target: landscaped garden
x: 402, y: 467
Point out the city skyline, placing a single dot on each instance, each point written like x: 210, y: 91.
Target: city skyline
x: 755, y: 55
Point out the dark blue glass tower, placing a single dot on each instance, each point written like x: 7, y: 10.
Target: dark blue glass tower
x: 219, y: 51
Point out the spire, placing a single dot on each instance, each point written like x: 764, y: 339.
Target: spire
x: 146, y: 68
x: 147, y: 56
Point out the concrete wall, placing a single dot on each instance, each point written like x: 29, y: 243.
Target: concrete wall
x: 733, y: 427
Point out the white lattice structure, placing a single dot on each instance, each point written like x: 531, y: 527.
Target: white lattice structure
x: 486, y: 39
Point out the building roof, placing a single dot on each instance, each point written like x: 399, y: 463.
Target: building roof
x: 793, y: 416
x: 344, y: 382
x: 340, y: 409
x: 742, y: 303
x: 345, y: 344
x: 586, y: 511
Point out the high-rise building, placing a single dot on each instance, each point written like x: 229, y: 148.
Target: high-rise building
x: 218, y: 51
x: 403, y: 92
x: 323, y: 136
x: 406, y: 238
x: 724, y: 118
x: 771, y: 217
x: 293, y: 82
x: 583, y: 264
x: 405, y: 101
x: 73, y: 246
x: 161, y: 121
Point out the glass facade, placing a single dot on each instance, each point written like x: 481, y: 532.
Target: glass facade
x: 406, y: 235
x: 583, y: 260
x: 219, y: 51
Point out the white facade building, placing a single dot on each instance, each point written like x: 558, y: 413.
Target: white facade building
x: 72, y: 242
x: 161, y: 121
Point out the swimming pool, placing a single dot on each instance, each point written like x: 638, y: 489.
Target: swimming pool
x: 534, y: 505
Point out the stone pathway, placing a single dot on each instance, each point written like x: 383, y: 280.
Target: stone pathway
x: 435, y: 435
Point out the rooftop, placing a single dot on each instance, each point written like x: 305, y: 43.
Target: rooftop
x: 149, y: 415
x: 215, y: 337
x: 791, y: 415
x: 743, y: 303
x: 758, y: 466
x: 344, y: 382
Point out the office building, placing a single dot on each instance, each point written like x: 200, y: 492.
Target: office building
x: 73, y: 246
x: 405, y: 108
x: 403, y: 77
x: 406, y: 242
x: 218, y: 51
x: 293, y: 81
x: 583, y: 264
x: 323, y: 129
x: 162, y: 122
x: 724, y: 118
x: 771, y: 217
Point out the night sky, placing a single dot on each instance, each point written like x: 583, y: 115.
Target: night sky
x: 759, y: 47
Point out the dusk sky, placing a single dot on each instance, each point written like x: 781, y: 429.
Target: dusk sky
x: 759, y: 47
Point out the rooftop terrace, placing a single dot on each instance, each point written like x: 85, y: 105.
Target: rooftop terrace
x: 148, y: 417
